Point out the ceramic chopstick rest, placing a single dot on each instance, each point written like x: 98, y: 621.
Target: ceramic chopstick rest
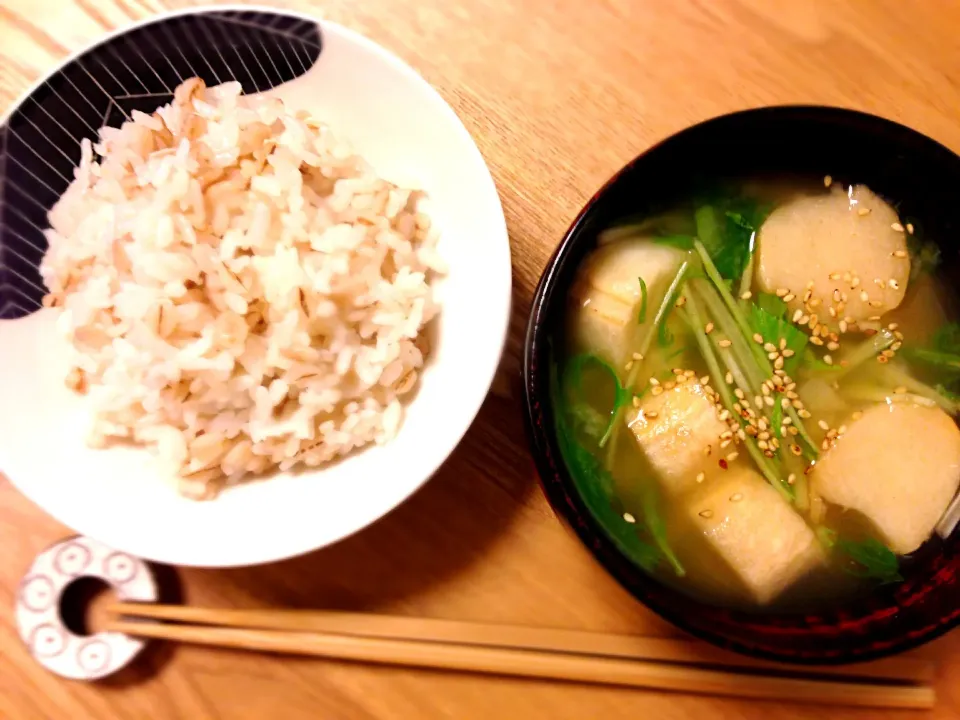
x: 38, y: 608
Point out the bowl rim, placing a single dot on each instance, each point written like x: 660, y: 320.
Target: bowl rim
x: 538, y: 419
x: 488, y: 357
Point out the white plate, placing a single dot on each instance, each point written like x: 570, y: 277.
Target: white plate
x: 400, y: 124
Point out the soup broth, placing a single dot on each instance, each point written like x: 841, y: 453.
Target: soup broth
x: 755, y: 393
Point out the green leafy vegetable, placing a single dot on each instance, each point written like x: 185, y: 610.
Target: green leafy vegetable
x: 947, y: 339
x: 681, y: 242
x: 650, y: 502
x: 943, y: 356
x: 871, y: 559
x: 707, y: 219
x: 868, y: 558
x: 775, y: 327
x: 573, y: 382
x: 596, y: 487
x: 812, y: 362
x: 771, y: 304
x: 727, y: 228
x: 642, y: 318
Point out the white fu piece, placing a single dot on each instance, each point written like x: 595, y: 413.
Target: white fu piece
x: 41, y: 593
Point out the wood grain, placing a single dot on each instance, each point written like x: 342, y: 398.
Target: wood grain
x: 558, y: 96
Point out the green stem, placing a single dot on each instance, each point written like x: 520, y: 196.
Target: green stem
x: 611, y: 437
x: 758, y: 353
x: 695, y: 320
x: 865, y: 351
x: 898, y: 377
x: 740, y: 345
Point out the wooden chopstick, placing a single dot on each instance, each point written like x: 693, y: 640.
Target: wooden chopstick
x: 448, y: 645
x: 899, y: 669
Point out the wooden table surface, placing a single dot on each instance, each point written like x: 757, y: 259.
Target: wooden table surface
x: 558, y: 95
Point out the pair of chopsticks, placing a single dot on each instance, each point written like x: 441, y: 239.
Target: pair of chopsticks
x: 571, y: 655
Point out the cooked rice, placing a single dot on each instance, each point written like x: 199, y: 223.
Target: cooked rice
x: 241, y: 290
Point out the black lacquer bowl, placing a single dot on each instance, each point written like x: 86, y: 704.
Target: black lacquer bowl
x: 923, y: 178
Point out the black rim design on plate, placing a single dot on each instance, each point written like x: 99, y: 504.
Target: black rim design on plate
x: 137, y: 70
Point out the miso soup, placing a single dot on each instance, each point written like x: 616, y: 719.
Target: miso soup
x: 755, y: 393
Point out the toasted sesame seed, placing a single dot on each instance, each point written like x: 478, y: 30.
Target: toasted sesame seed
x: 706, y: 514
x: 816, y: 340
x: 793, y: 430
x: 900, y: 253
x: 788, y: 353
x: 689, y: 373
x: 729, y: 378
x: 883, y: 359
x: 781, y: 292
x: 736, y: 497
x: 677, y: 371
x: 823, y: 425
x: 681, y: 301
x: 741, y: 433
x: 896, y: 346
x: 768, y: 401
x: 796, y: 449
x: 897, y: 226
x: 797, y: 314
x: 654, y: 381
x: 789, y: 297
x: 628, y: 365
x: 705, y: 380
x: 894, y: 284
x: 892, y: 326
x: 910, y: 228
x: 652, y: 414
x: 629, y: 518
x: 769, y: 347
x: 828, y: 360
x: 758, y: 338
x: 804, y: 413
x: 804, y: 319
x: 725, y: 343
x: 832, y: 311
x: 785, y: 403
x: 657, y: 390
x: 763, y: 444
x: 669, y: 385
x: 746, y: 295
x: 773, y: 355
x: 765, y: 389
x: 834, y: 276
x: 636, y: 401
x: 732, y: 456
x: 863, y: 211
x: 708, y: 328
x: 791, y: 479
x: 872, y: 318
x: 880, y: 283
x: 843, y: 326
x: 833, y: 346
x: 814, y: 302
x: 778, y: 363
x: 825, y: 445
x: 864, y: 296
x: 855, y: 282
x: 708, y: 449
x: 827, y: 181
x: 782, y: 431
x: 726, y: 435
x: 841, y: 430
x: 876, y: 303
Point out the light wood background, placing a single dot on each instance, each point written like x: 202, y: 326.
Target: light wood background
x: 558, y: 95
